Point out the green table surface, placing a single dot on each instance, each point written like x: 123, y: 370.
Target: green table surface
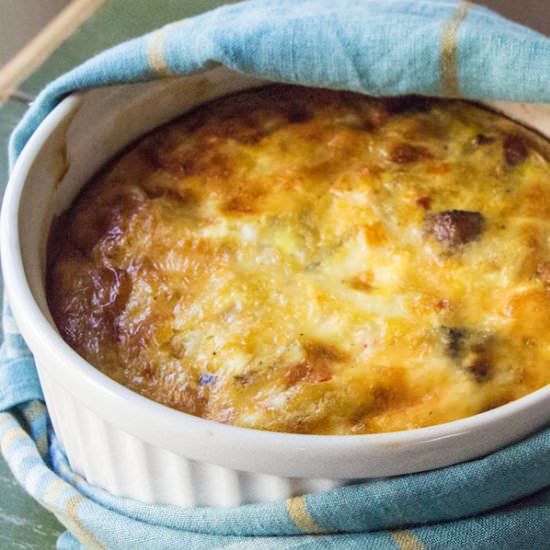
x: 23, y: 523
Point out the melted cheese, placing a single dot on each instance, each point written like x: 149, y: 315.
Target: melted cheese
x: 265, y: 261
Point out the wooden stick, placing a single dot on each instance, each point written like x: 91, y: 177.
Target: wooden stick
x: 24, y: 63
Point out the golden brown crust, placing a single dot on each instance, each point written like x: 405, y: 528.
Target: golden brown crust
x: 312, y: 261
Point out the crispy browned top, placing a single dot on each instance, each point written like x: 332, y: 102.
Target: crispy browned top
x: 313, y: 261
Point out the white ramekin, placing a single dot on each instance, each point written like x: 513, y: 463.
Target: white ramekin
x: 137, y: 448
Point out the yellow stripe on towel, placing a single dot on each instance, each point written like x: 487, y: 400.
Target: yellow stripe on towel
x: 407, y: 541
x: 155, y: 50
x: 448, y: 63
x: 299, y: 514
x: 10, y: 436
x: 69, y: 516
x: 5, y: 417
x: 42, y: 444
x: 34, y: 410
x: 53, y: 490
x: 76, y: 526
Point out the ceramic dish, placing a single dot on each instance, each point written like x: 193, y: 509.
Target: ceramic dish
x: 134, y: 447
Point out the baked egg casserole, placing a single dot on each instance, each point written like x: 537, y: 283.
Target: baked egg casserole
x: 312, y: 261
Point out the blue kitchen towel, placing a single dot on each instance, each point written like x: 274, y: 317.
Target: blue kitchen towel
x: 380, y: 47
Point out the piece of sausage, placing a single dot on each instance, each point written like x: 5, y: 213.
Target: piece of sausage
x: 470, y: 350
x: 404, y: 153
x: 515, y: 150
x: 480, y: 368
x: 317, y: 366
x: 482, y: 139
x: 453, y: 340
x: 453, y: 228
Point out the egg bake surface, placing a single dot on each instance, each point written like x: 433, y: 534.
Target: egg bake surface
x: 313, y: 261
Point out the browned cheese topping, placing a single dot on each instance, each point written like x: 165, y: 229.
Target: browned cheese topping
x: 313, y: 261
